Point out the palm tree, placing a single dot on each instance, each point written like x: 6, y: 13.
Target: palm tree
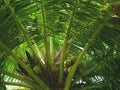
x: 60, y: 44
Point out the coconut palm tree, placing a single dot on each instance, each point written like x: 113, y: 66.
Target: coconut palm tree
x: 60, y: 44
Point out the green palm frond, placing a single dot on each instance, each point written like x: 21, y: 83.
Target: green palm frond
x: 50, y: 33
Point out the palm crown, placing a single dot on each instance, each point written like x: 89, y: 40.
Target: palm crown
x: 59, y: 44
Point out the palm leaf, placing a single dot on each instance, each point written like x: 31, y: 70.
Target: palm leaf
x: 16, y: 16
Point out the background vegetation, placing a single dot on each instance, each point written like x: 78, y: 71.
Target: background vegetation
x: 60, y: 44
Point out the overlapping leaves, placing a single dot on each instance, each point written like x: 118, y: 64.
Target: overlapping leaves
x: 89, y: 15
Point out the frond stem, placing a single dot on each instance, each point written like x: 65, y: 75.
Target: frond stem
x: 47, y: 46
x: 17, y: 84
x: 63, y: 53
x: 21, y: 27
x: 27, y: 68
x: 23, y: 79
x: 76, y: 64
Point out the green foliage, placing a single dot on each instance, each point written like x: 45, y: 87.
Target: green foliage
x: 60, y: 44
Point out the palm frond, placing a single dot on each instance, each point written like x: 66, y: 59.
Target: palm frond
x: 21, y: 23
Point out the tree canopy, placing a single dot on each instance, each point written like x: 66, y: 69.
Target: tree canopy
x: 60, y: 44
